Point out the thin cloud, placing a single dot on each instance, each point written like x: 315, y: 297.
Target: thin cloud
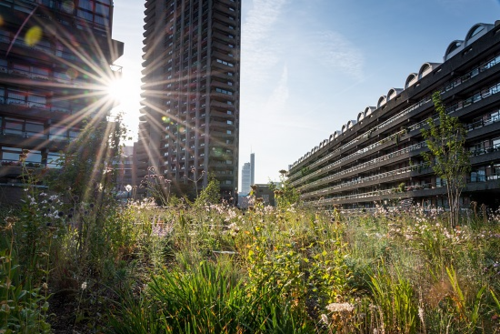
x: 279, y: 97
x: 337, y: 53
x: 260, y: 55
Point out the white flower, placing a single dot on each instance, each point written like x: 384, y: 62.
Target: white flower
x: 340, y: 307
x: 84, y: 285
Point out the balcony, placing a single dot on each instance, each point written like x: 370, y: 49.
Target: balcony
x: 338, y: 163
x: 364, y: 166
x: 15, y: 107
x: 223, y: 17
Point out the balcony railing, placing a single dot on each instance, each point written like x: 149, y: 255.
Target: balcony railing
x: 365, y: 180
x: 366, y: 164
x: 338, y: 162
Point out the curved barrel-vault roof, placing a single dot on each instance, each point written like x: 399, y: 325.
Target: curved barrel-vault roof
x: 411, y: 80
x: 361, y: 116
x: 393, y: 92
x: 382, y: 100
x: 426, y: 68
x: 477, y: 31
x: 453, y: 49
x: 369, y: 110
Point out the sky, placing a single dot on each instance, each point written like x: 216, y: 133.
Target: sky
x: 310, y: 66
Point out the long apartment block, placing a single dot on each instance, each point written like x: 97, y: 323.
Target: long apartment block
x: 55, y: 65
x: 190, y: 113
x: 376, y: 157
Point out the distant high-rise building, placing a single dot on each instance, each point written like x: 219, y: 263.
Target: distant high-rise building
x: 245, y: 179
x: 55, y: 65
x: 191, y: 81
x: 252, y: 168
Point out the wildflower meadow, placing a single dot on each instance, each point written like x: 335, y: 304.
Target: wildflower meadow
x: 98, y: 265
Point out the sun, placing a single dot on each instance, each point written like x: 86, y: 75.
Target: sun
x: 117, y: 91
x: 124, y: 93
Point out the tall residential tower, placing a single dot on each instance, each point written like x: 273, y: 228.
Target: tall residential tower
x: 55, y: 67
x: 190, y: 111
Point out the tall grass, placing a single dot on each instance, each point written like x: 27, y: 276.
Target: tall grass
x: 143, y: 268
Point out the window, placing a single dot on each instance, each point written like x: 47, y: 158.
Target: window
x: 13, y: 127
x: 11, y: 153
x: 42, y: 73
x: 52, y: 159
x: 229, y: 122
x: 57, y: 132
x: 4, y: 36
x: 229, y: 132
x: 223, y: 91
x: 34, y: 129
x: 229, y: 112
x: 231, y: 9
x: 15, y: 96
x: 225, y: 63
x: 37, y: 101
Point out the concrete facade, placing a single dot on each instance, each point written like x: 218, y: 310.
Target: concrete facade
x: 55, y: 66
x: 190, y: 113
x: 376, y: 156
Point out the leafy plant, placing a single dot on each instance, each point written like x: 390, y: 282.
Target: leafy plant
x: 447, y: 154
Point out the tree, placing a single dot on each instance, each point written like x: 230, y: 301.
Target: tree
x: 210, y: 194
x: 85, y: 167
x: 284, y: 194
x: 447, y: 154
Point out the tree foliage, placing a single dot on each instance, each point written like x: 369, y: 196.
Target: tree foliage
x: 210, y: 194
x: 85, y: 166
x: 447, y: 154
x: 284, y: 193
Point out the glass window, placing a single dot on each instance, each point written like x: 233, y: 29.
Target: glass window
x: 85, y: 4
x: 3, y: 65
x: 57, y: 132
x: 36, y: 100
x: 20, y: 69
x: 13, y: 127
x: 85, y: 15
x: 52, y: 159
x: 102, y: 9
x: 73, y: 134
x: 16, y: 96
x: 11, y: 153
x: 101, y: 20
x: 40, y: 72
x: 4, y: 36
x: 34, y: 127
x: 34, y: 157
